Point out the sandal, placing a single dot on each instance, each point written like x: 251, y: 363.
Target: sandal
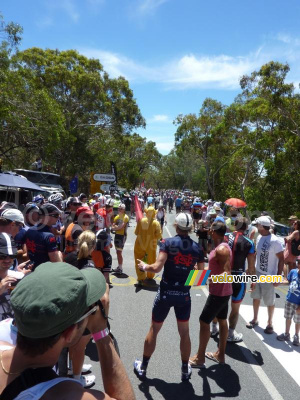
x: 211, y: 356
x: 193, y: 364
x: 269, y: 330
x: 252, y: 324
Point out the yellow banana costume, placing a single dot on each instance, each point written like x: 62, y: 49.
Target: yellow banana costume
x: 147, y: 232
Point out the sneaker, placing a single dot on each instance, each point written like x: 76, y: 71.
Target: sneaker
x: 118, y: 271
x: 283, y: 337
x: 85, y: 368
x: 185, y: 376
x: 235, y: 338
x: 87, y: 380
x: 214, y: 332
x: 140, y: 373
x: 296, y: 340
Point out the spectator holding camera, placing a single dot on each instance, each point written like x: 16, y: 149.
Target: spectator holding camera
x: 46, y: 326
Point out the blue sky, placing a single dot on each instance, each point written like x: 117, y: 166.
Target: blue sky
x: 174, y: 53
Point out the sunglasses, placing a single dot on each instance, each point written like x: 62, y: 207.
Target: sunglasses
x: 54, y: 215
x: 88, y: 313
x: 5, y: 256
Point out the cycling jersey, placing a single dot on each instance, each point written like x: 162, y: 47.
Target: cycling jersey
x: 103, y: 219
x: 183, y: 254
x: 39, y: 242
x: 72, y: 233
x: 241, y: 246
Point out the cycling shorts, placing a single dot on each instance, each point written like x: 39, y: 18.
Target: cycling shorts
x: 238, y: 292
x: 119, y: 241
x: 165, y: 299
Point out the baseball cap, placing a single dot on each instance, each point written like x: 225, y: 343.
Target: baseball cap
x: 54, y: 297
x: 263, y: 220
x: 7, y: 245
x: 293, y: 217
x: 13, y: 215
x: 184, y: 221
x: 48, y: 208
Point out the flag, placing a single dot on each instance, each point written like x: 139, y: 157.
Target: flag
x: 138, y: 210
x: 74, y: 185
x: 143, y: 183
x: 197, y: 278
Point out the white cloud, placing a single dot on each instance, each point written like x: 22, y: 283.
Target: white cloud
x: 192, y: 71
x: 149, y: 6
x: 159, y: 118
x: 164, y: 147
x: 188, y: 71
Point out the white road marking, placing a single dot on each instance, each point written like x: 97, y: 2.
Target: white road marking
x: 260, y: 373
x: 167, y: 229
x: 285, y: 352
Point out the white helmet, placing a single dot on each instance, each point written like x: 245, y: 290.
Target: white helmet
x: 109, y: 202
x: 184, y: 221
x: 55, y: 198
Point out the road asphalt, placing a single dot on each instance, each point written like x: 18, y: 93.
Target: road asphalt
x: 260, y: 367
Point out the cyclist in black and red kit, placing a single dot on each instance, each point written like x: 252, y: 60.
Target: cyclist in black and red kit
x: 178, y: 255
x: 242, y: 249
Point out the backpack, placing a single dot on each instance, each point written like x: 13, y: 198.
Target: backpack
x: 295, y: 247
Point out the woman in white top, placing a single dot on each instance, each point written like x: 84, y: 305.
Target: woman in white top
x: 161, y: 216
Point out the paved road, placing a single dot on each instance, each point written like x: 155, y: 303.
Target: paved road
x: 260, y: 367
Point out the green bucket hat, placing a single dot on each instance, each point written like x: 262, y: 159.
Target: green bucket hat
x: 54, y: 297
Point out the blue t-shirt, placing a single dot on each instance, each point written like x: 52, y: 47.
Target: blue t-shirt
x: 183, y: 254
x: 150, y: 200
x: 293, y: 295
x: 178, y: 202
x: 39, y: 242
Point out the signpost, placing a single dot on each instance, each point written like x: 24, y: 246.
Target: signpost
x: 104, y: 177
x: 101, y: 182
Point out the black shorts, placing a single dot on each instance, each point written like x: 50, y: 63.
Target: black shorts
x: 165, y: 299
x: 161, y: 221
x: 119, y: 241
x: 238, y: 292
x: 215, y: 306
x: 196, y: 216
x: 203, y: 244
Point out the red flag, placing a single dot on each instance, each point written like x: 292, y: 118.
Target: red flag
x: 138, y: 210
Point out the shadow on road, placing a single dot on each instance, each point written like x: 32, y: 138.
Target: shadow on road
x: 223, y: 375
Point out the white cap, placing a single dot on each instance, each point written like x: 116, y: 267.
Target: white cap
x: 263, y: 220
x: 184, y: 221
x: 13, y: 215
x: 122, y: 206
